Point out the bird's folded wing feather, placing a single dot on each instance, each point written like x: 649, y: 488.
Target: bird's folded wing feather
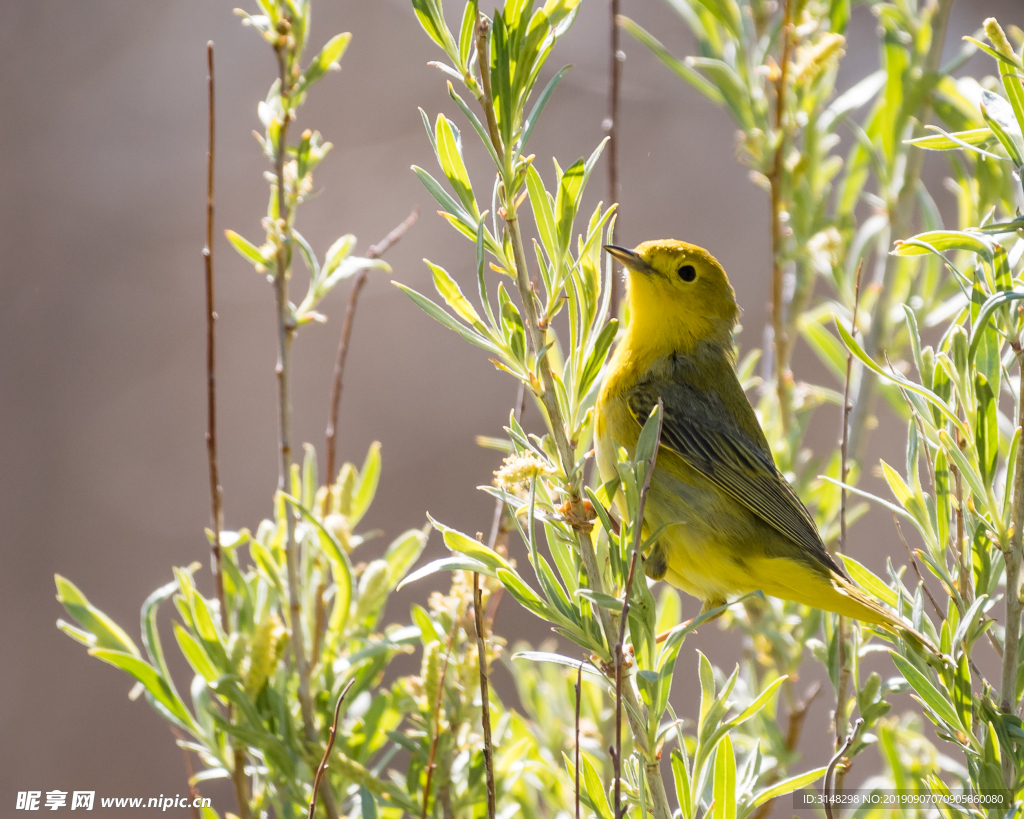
x: 699, y: 428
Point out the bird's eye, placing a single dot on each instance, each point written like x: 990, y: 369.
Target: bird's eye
x: 687, y: 272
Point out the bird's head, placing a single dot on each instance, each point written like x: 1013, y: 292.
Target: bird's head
x: 678, y: 293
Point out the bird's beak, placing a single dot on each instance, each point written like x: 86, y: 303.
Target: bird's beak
x: 629, y: 258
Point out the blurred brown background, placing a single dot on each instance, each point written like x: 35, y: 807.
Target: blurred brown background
x: 102, y: 152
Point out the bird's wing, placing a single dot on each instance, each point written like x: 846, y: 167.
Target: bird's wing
x: 699, y: 428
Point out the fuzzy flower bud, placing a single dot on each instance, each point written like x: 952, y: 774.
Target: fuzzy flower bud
x: 823, y: 55
x: 520, y: 469
x: 997, y: 37
x: 263, y: 654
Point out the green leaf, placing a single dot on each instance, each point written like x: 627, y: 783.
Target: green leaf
x: 928, y: 693
x: 543, y: 213
x: 905, y: 383
x: 869, y: 581
x: 567, y: 201
x: 366, y: 486
x: 924, y: 243
x: 431, y: 18
x: 449, y: 150
x: 725, y: 781
x: 403, y: 552
x: 527, y: 597
x: 942, y: 142
x: 105, y: 633
x: 195, y: 654
x: 247, y: 250
x: 458, y: 542
x: 679, y: 67
x: 594, y: 788
x: 154, y: 684
x: 1000, y: 119
x: 987, y: 429
x: 682, y: 781
x: 760, y: 702
x: 992, y: 303
x: 434, y: 311
x: 731, y: 87
x: 325, y: 61
x: 793, y: 783
x: 448, y: 564
x: 538, y: 108
x: 558, y: 659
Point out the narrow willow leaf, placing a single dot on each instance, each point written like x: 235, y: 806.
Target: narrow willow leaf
x: 940, y: 142
x: 793, y: 783
x: 928, y: 693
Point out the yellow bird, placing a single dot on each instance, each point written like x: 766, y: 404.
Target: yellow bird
x: 737, y: 525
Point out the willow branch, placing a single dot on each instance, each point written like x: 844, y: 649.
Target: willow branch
x: 216, y: 495
x: 843, y: 682
x: 374, y: 252
x: 783, y: 387
x: 285, y: 336
x: 322, y: 768
x: 827, y: 788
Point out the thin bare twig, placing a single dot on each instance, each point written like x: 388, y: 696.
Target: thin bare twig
x: 322, y: 768
x: 844, y: 471
x: 485, y: 697
x: 216, y: 493
x: 826, y: 790
x: 576, y: 768
x: 376, y: 251
x: 611, y: 129
x: 619, y: 657
x: 285, y: 335
x: 913, y: 562
x: 193, y: 791
x: 216, y: 496
x: 437, y: 720
x: 794, y: 730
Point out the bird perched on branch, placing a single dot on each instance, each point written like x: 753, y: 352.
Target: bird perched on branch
x: 735, y: 524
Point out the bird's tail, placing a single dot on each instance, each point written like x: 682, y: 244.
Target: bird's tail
x: 860, y: 605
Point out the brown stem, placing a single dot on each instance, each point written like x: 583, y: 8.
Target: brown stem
x: 913, y: 562
x: 627, y: 592
x: 193, y: 791
x: 216, y: 495
x: 841, y: 625
x: 437, y: 720
x: 485, y: 701
x: 576, y: 746
x: 374, y: 252
x: 285, y: 336
x: 794, y: 730
x: 780, y: 335
x: 238, y: 777
x: 901, y: 216
x: 827, y: 787
x: 322, y: 768
x: 611, y: 129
